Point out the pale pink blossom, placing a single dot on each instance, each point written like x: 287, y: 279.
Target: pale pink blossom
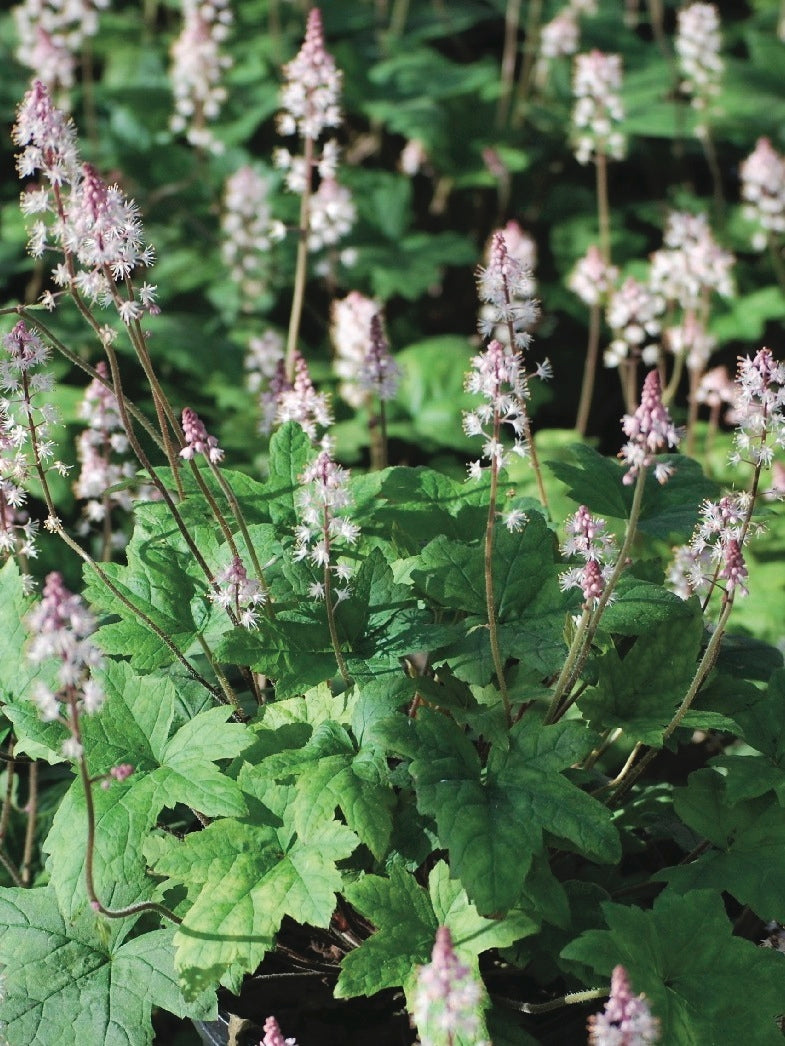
x: 763, y: 191
x: 592, y: 278
x: 447, y: 1000
x: 197, y: 440
x: 650, y: 431
x: 598, y: 109
x: 697, y: 47
x: 310, y: 97
x: 198, y: 67
x: 302, y: 403
x: 626, y: 1020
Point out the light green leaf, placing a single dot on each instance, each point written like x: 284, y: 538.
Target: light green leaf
x: 78, y: 982
x: 704, y: 984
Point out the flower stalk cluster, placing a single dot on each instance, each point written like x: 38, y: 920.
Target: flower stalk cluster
x: 310, y: 104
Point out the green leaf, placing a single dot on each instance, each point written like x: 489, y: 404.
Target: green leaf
x: 133, y: 727
x: 77, y: 982
x: 296, y: 655
x: 331, y: 773
x: 669, y: 511
x: 492, y: 823
x: 640, y: 606
x: 159, y: 581
x: 290, y: 451
x: 749, y: 841
x: 704, y: 984
x: 243, y: 877
x: 641, y: 691
x: 407, y: 917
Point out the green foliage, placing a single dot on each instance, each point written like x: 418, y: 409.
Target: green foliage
x: 704, y: 984
x: 457, y: 741
x: 83, y: 980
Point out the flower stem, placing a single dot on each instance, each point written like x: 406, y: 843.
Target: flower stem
x: 490, y: 604
x: 589, y: 371
x: 584, y: 636
x: 301, y: 270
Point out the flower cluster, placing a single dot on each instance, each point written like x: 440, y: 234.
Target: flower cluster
x: 497, y: 375
x: 716, y: 551
x: 691, y: 264
x: 198, y: 65
x: 588, y: 540
x: 23, y: 422
x: 273, y: 1036
x: 322, y: 502
x: 248, y: 233
x: 592, y: 278
x: 598, y: 107
x: 197, y: 440
x: 301, y: 402
x: 447, y: 998
x: 106, y: 474
x: 266, y: 375
x: 697, y: 48
x: 331, y: 215
x: 310, y: 97
x: 506, y: 287
x: 633, y: 313
x: 236, y: 591
x: 380, y: 374
x: 759, y: 409
x: 60, y: 628
x: 763, y: 191
x: 350, y: 333
x: 650, y: 431
x: 626, y: 1017
x: 94, y: 225
x: 51, y: 34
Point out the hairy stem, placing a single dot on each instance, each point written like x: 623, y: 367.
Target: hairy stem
x: 490, y: 604
x: 301, y: 269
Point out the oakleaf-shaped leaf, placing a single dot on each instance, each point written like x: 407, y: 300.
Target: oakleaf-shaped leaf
x: 77, y: 982
x: 330, y: 773
x: 242, y: 878
x: 704, y: 984
x: 641, y: 691
x: 406, y: 917
x: 132, y: 727
x: 493, y: 823
x: 748, y: 840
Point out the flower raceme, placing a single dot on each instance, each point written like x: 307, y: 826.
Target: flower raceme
x: 60, y: 627
x: 311, y: 93
x: 588, y: 540
x: 322, y: 502
x: 94, y: 225
x: 598, y: 107
x: 447, y: 997
x: 626, y: 1019
x: 650, y: 430
x: 498, y: 376
x: 197, y: 440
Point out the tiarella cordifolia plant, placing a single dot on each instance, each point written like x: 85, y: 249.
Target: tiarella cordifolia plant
x: 310, y: 100
x: 344, y: 714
